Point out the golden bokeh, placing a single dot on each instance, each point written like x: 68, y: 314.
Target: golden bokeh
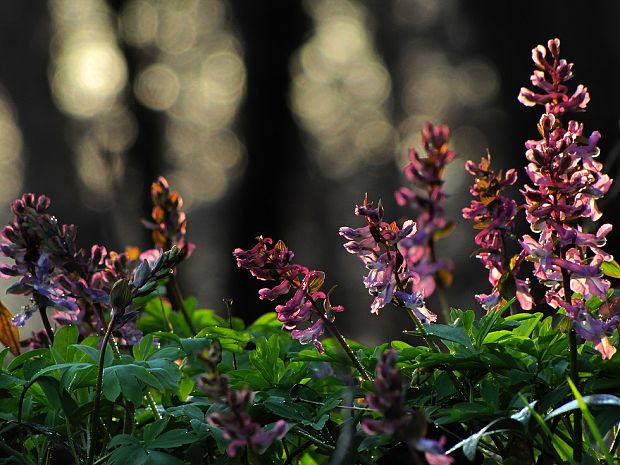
x: 190, y: 68
x: 341, y: 91
x: 11, y: 149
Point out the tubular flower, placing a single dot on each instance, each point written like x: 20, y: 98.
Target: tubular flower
x: 426, y: 175
x: 567, y: 181
x: 379, y: 245
x: 268, y: 263
x: 494, y: 214
x: 168, y: 222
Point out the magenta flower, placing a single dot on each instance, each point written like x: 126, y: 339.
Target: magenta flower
x: 379, y: 245
x: 568, y: 181
x: 494, y: 214
x: 426, y: 200
x: 301, y: 313
x: 239, y: 427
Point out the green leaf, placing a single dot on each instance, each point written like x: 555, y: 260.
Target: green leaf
x: 152, y: 431
x: 487, y: 323
x: 143, y: 349
x: 93, y: 354
x: 129, y: 379
x: 21, y: 359
x: 63, y: 339
x: 172, y: 438
x: 595, y: 399
x: 266, y: 359
x: 455, y: 334
x: 161, y: 458
x: 611, y: 268
x: 592, y: 423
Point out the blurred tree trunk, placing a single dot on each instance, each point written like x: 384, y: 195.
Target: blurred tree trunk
x: 271, y: 32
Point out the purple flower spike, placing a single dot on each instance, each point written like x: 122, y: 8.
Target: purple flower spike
x: 239, y: 427
x: 382, y: 248
x: 426, y: 200
x: 301, y: 314
x: 567, y: 182
x: 494, y: 214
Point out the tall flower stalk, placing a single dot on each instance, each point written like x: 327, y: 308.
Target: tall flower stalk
x: 567, y: 181
x: 494, y: 215
x: 302, y: 314
x: 426, y: 199
x: 144, y: 280
x: 169, y: 228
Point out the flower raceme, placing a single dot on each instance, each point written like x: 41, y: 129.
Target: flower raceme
x: 426, y: 200
x: 382, y: 247
x: 168, y: 222
x: 268, y: 263
x: 398, y: 420
x: 494, y: 214
x: 567, y: 181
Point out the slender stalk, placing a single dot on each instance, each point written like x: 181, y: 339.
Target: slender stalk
x: 152, y: 405
x: 341, y: 340
x: 574, y: 371
x: 228, y: 302
x: 431, y: 344
x: 94, y: 426
x: 176, y: 300
x: 443, y: 303
x: 46, y: 322
x: 316, y: 441
x: 344, y: 407
x: 129, y: 418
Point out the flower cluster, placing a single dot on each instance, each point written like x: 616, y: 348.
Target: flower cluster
x: 426, y: 174
x: 56, y: 274
x: 494, y: 214
x: 567, y: 184
x: 549, y: 78
x: 382, y: 246
x: 274, y: 264
x: 168, y: 224
x: 50, y: 267
x: 407, y: 425
x: 238, y: 426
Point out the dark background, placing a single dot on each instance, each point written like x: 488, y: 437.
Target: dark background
x: 288, y: 139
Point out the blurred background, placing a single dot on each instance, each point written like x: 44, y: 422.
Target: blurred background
x: 275, y: 117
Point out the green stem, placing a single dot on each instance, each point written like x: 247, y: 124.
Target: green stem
x: 574, y: 375
x: 94, y: 426
x: 316, y: 441
x: 574, y: 370
x: 152, y: 405
x: 176, y: 300
x: 46, y: 322
x: 341, y: 340
x: 296, y: 452
x: 129, y: 418
x: 228, y: 302
x: 431, y: 344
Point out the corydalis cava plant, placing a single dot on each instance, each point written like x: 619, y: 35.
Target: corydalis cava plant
x: 567, y: 182
x: 382, y: 248
x: 301, y: 314
x: 494, y: 214
x: 426, y: 172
